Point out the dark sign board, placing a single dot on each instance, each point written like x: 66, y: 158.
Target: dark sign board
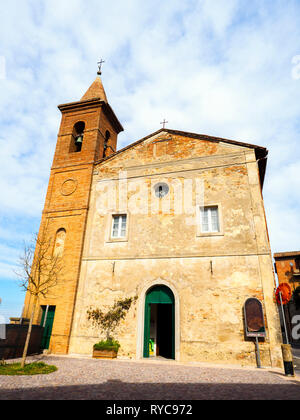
x: 254, y: 318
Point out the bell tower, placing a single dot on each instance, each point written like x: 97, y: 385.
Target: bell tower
x: 88, y: 132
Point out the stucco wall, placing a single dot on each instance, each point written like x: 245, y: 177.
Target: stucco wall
x: 211, y: 274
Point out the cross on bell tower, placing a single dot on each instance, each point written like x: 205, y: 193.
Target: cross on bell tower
x: 100, y: 66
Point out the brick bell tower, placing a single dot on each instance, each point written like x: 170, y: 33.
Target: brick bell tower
x: 88, y: 133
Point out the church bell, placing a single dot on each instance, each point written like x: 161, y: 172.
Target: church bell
x: 79, y: 139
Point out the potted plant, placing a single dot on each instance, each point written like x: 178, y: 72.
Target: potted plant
x: 107, y: 322
x: 106, y: 349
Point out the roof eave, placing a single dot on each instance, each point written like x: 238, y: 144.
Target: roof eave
x: 70, y: 106
x: 90, y: 103
x: 261, y: 153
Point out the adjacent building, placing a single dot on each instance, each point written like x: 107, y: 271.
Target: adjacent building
x: 287, y: 267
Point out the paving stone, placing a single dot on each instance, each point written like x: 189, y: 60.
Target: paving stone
x: 79, y: 378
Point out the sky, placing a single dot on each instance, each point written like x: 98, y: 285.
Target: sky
x: 229, y: 68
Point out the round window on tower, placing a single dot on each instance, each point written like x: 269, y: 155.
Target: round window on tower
x: 161, y: 189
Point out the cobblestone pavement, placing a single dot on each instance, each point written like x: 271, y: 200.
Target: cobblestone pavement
x: 296, y: 356
x: 79, y: 378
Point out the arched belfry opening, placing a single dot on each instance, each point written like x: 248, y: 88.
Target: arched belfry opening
x: 106, y: 144
x: 78, y: 136
x: 159, y: 328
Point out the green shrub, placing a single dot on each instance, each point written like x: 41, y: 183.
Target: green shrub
x: 107, y: 345
x: 37, y: 368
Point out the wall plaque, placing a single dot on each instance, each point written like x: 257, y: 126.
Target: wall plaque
x: 254, y: 318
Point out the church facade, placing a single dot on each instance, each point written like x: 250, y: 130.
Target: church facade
x: 176, y: 219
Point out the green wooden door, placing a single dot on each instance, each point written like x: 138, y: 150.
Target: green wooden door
x: 48, y: 325
x: 161, y: 295
x: 147, y: 329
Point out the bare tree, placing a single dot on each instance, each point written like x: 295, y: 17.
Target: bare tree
x: 39, y: 271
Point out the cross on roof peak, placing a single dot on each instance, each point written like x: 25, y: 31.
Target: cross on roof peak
x: 164, y: 122
x: 100, y: 66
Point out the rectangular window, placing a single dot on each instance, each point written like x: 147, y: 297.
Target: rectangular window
x: 210, y: 219
x: 119, y: 225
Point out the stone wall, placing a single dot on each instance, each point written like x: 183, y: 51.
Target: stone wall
x: 211, y: 275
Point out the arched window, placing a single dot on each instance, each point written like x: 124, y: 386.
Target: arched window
x: 78, y: 134
x: 107, y: 137
x: 59, y: 244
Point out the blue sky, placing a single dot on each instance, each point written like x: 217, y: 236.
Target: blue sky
x: 220, y: 67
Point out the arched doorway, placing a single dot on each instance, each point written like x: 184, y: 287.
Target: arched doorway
x: 159, y: 328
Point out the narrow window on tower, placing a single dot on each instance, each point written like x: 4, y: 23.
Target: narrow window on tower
x: 59, y: 244
x: 77, y: 137
x: 105, y: 148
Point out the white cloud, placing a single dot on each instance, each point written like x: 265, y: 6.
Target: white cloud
x: 221, y: 68
x: 7, y: 271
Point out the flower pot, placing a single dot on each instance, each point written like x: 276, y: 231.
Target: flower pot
x: 105, y: 354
